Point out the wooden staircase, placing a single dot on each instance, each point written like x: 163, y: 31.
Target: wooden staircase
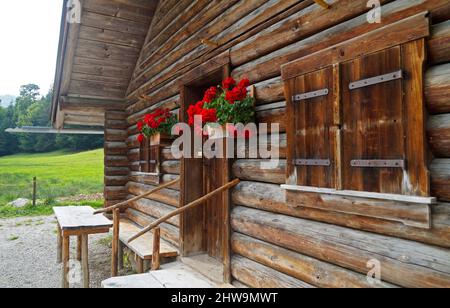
x: 146, y: 243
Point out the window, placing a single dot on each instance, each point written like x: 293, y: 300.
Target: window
x: 356, y: 126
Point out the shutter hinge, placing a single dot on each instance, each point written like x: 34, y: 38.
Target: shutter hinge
x: 378, y: 163
x: 376, y: 80
x: 309, y: 95
x: 312, y: 162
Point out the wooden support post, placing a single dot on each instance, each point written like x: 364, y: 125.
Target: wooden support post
x: 139, y: 265
x: 79, y: 248
x: 66, y: 259
x: 156, y: 260
x: 120, y: 255
x: 59, y: 243
x: 85, y: 260
x: 115, y: 243
x: 34, y: 190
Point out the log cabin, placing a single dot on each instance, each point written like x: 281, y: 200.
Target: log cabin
x: 361, y: 90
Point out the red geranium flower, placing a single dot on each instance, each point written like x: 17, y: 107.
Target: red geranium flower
x: 140, y: 138
x: 244, y: 83
x: 229, y: 83
x: 140, y: 126
x: 210, y: 95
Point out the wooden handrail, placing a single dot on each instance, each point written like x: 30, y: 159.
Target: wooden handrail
x: 185, y: 208
x: 122, y: 204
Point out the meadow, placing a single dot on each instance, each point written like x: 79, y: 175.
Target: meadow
x: 59, y: 174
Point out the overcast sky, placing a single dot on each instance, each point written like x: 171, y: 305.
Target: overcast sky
x: 29, y: 33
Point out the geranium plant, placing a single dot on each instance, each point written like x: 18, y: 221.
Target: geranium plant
x: 159, y: 121
x: 229, y: 103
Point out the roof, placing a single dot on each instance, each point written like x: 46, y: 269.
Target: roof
x: 98, y: 51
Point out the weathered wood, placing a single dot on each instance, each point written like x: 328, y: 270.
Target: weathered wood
x: 168, y: 196
x: 115, y: 244
x: 145, y: 195
x: 260, y: 276
x: 143, y: 248
x: 437, y: 87
x: 79, y: 218
x: 156, y: 262
x: 440, y: 178
x: 405, y: 263
x: 85, y: 260
x: 155, y: 209
x: 79, y: 248
x: 438, y: 132
x: 309, y: 270
x: 169, y: 233
x: 66, y: 259
x: 250, y: 170
x: 272, y: 198
x: 59, y: 243
x: 439, y: 43
x: 189, y: 206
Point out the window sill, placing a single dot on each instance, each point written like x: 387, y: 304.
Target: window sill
x: 408, y: 210
x: 361, y: 194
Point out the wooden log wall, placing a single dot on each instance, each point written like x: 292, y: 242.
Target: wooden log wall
x: 116, y: 161
x: 274, y: 244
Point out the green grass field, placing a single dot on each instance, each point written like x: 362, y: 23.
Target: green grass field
x: 59, y: 174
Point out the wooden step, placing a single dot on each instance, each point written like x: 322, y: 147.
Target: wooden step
x: 143, y: 246
x: 173, y: 275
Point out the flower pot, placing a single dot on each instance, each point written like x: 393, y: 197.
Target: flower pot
x: 161, y: 139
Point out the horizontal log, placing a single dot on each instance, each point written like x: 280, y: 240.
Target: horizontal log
x: 167, y: 196
x: 439, y: 43
x: 252, y: 170
x: 440, y: 178
x: 171, y: 166
x: 155, y: 209
x: 403, y: 263
x: 268, y: 66
x: 272, y: 198
x: 257, y: 275
x: 437, y: 87
x: 115, y: 148
x: 438, y: 132
x: 309, y: 270
x: 115, y: 193
x: 116, y: 180
x: 269, y: 91
x: 168, y: 232
x: 116, y: 161
x: 116, y: 124
x: 115, y: 115
x: 116, y: 171
x: 115, y: 135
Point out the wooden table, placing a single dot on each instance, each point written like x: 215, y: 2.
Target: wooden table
x: 78, y: 221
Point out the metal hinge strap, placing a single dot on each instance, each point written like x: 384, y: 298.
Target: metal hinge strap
x: 312, y: 162
x: 315, y: 94
x: 376, y: 80
x: 378, y: 163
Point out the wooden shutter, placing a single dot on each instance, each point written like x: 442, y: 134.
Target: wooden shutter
x: 377, y: 130
x: 312, y: 113
x: 154, y: 158
x: 144, y: 156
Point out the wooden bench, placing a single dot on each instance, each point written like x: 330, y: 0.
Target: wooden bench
x: 142, y: 247
x: 78, y: 221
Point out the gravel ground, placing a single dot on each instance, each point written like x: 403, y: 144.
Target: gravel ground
x: 28, y: 255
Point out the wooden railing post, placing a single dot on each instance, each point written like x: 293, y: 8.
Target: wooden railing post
x: 156, y: 260
x: 115, y: 243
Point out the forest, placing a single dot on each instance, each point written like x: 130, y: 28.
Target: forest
x: 32, y: 109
